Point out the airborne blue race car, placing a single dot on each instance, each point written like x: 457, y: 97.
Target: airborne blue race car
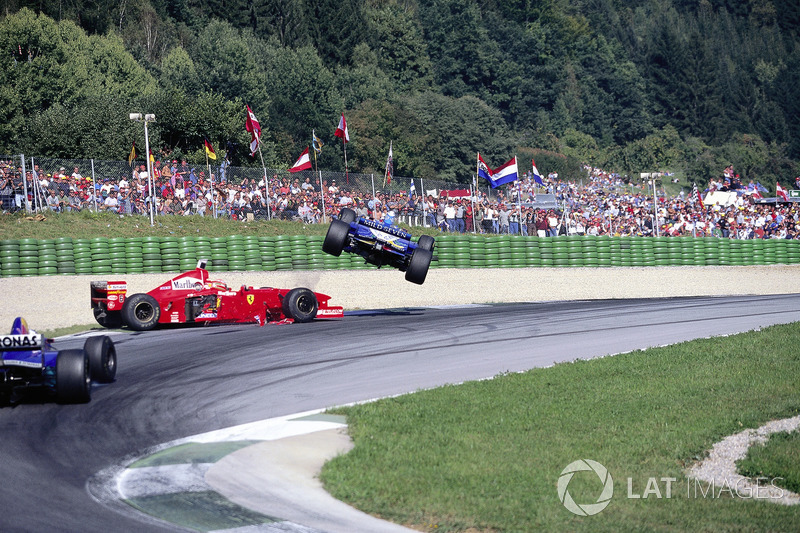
x: 380, y: 244
x: 29, y: 361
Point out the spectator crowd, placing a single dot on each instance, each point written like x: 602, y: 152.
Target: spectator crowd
x: 602, y: 205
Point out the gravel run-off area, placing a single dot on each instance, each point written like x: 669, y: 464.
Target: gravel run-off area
x: 50, y: 302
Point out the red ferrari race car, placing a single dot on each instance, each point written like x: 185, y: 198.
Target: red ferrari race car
x: 193, y: 298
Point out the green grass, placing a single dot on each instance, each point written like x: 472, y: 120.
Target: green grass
x: 85, y: 225
x: 778, y: 458
x: 487, y: 455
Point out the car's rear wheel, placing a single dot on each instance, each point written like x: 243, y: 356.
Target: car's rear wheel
x: 108, y: 319
x: 73, y: 377
x: 102, y: 358
x: 418, y: 266
x: 347, y: 215
x: 141, y: 312
x: 300, y: 304
x: 425, y: 242
x: 336, y: 238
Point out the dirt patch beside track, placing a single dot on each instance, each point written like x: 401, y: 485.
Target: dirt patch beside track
x: 50, y: 302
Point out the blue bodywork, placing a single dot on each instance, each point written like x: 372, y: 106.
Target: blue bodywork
x: 27, y: 360
x: 380, y: 243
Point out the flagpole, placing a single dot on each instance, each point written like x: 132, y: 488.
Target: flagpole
x: 424, y: 203
x: 322, y: 197
x: 266, y: 183
x: 314, y: 146
x: 346, y: 175
x: 472, y: 201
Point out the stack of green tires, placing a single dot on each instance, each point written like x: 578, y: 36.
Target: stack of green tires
x: 782, y: 251
x: 316, y: 257
x: 737, y: 252
x: 203, y: 250
x: 504, y: 260
x: 724, y: 251
x: 445, y: 254
x: 603, y: 245
x: 710, y: 249
x: 65, y: 256
x: 82, y: 252
x: 170, y: 257
x: 576, y: 250
x: 793, y: 252
x: 134, y: 255
x: 187, y: 253
x: 9, y: 258
x: 696, y: 247
x: 283, y: 253
x: 252, y: 254
x: 117, y: 255
x: 533, y: 251
x: 28, y: 257
x: 546, y: 252
x: 266, y: 245
x: 757, y: 252
x: 219, y: 254
x: 518, y: 252
x: 560, y: 252
x: 48, y: 262
x: 236, y: 257
x: 101, y: 256
x: 493, y: 246
x: 462, y: 258
x: 662, y: 250
x: 299, y: 247
x: 477, y: 251
x: 151, y: 255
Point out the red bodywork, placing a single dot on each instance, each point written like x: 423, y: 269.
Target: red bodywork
x: 192, y: 297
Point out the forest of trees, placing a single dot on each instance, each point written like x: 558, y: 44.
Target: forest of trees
x: 632, y: 86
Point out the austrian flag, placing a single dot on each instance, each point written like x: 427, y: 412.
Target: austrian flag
x: 303, y: 162
x: 341, y: 130
x: 254, y: 128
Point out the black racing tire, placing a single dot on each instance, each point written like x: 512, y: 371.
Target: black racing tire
x: 73, y: 377
x: 140, y: 312
x: 347, y: 215
x: 336, y: 238
x: 300, y: 304
x: 418, y: 266
x: 425, y: 242
x: 102, y: 358
x: 108, y: 319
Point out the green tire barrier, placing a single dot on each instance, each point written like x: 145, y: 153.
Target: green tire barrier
x: 104, y: 257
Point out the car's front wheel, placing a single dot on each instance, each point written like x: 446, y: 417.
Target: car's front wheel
x: 336, y: 238
x: 141, y: 312
x: 300, y: 305
x: 418, y: 266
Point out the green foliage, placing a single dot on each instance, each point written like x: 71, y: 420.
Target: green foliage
x: 778, y: 460
x: 604, y: 80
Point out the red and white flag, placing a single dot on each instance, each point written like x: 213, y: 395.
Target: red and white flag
x: 303, y: 162
x: 254, y: 128
x: 781, y: 192
x: 341, y: 130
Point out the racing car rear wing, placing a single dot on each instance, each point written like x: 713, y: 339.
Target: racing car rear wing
x: 29, y: 341
x: 108, y: 294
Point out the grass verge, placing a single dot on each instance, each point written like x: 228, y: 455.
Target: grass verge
x: 487, y: 455
x: 778, y: 458
x: 86, y: 225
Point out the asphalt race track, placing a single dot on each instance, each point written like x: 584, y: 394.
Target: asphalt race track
x: 177, y: 382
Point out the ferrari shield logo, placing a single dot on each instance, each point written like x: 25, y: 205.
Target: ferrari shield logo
x: 251, y: 298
